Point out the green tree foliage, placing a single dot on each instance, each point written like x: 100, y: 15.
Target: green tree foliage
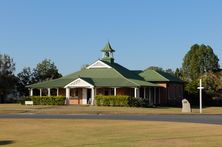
x: 211, y: 83
x: 199, y: 60
x: 168, y: 70
x: 155, y: 68
x: 24, y: 78
x: 7, y: 78
x: 178, y: 73
x: 46, y: 70
x: 191, y: 87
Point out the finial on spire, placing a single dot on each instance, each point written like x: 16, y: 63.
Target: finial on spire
x: 108, y: 48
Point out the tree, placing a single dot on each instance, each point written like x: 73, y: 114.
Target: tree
x: 211, y: 83
x: 24, y: 78
x: 46, y: 70
x: 199, y: 60
x: 7, y: 78
x: 155, y: 68
x: 170, y: 71
x: 178, y: 73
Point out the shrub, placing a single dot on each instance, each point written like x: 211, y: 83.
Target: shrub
x: 119, y: 100
x: 138, y: 102
x: 47, y: 100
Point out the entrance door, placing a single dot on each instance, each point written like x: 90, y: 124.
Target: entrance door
x: 88, y: 96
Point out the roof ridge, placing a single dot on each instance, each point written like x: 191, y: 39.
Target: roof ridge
x: 125, y: 77
x: 160, y: 75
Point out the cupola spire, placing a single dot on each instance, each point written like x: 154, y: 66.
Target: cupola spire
x: 108, y: 53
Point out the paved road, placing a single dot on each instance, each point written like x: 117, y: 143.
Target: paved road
x: 208, y: 119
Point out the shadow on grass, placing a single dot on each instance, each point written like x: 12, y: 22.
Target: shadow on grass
x: 6, y: 142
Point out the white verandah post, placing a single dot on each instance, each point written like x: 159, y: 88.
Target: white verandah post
x: 31, y: 92
x: 57, y: 91
x: 136, y: 92
x: 115, y: 91
x: 67, y: 95
x: 49, y: 92
x: 40, y: 92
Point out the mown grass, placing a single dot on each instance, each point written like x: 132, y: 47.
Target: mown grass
x: 36, y: 132
x: 77, y: 109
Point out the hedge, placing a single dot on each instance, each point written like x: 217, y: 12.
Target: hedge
x: 47, y: 100
x: 119, y: 100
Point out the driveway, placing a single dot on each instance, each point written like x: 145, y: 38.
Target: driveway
x: 208, y: 119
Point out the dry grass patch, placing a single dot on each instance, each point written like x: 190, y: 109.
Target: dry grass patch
x: 33, y: 132
x: 80, y: 109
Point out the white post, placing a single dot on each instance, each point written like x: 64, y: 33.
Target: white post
x: 49, y: 92
x: 67, y: 95
x: 92, y: 95
x: 84, y: 96
x: 135, y: 92
x: 57, y: 92
x: 200, y: 88
x: 40, y: 91
x: 31, y: 92
x: 115, y: 91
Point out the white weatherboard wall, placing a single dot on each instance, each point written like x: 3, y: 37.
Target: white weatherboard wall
x: 84, y: 96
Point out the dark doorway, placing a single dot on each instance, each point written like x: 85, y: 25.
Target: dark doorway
x: 89, y: 96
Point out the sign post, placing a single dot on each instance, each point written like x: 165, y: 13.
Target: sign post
x: 200, y: 88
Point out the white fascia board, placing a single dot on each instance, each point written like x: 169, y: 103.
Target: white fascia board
x: 98, y: 64
x: 79, y: 83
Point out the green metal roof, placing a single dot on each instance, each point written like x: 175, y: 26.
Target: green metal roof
x: 108, y: 48
x: 117, y: 76
x: 159, y: 76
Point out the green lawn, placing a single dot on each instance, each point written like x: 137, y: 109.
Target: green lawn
x: 77, y: 109
x: 35, y: 132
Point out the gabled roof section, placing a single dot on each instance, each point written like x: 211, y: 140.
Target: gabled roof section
x: 98, y: 64
x: 159, y: 76
x: 108, y: 48
x: 80, y: 82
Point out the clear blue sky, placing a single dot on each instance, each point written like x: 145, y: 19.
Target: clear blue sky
x: 72, y: 32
